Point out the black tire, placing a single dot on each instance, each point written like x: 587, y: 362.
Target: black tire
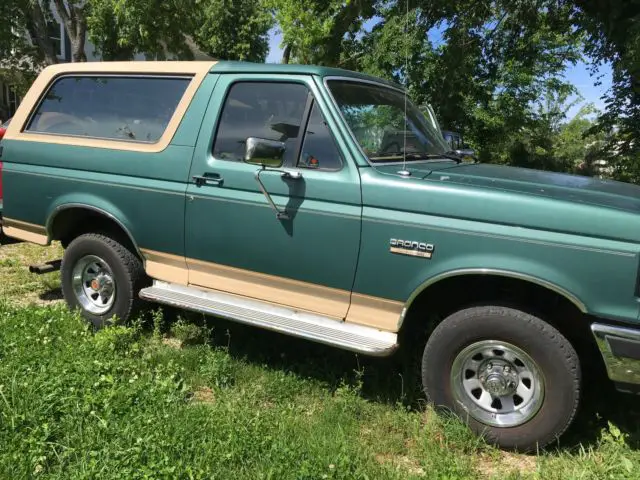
x: 466, y: 331
x: 123, y: 265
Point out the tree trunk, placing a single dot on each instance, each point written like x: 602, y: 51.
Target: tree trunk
x: 77, y: 45
x: 37, y: 28
x: 74, y: 18
x: 286, y: 55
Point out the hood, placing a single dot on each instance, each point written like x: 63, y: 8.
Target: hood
x: 514, y: 196
x: 559, y: 186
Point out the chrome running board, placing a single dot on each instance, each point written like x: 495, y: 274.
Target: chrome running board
x: 314, y: 327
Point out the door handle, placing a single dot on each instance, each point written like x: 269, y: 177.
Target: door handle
x: 213, y: 179
x: 291, y: 175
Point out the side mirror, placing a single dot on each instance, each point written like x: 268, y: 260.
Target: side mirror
x: 264, y: 152
x: 466, y: 154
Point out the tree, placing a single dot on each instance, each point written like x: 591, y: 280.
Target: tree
x: 315, y: 31
x: 233, y: 30
x: 494, y: 60
x: 223, y: 29
x: 119, y: 29
x: 613, y: 36
x: 20, y: 59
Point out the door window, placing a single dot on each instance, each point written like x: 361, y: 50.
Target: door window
x: 319, y: 150
x: 272, y: 111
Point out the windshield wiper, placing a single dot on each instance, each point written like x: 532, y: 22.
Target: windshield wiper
x: 450, y: 155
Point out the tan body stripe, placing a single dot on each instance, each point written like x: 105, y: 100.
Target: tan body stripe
x: 199, y: 70
x: 27, y: 232
x: 166, y: 267
x: 375, y: 312
x: 283, y: 291
x: 336, y: 303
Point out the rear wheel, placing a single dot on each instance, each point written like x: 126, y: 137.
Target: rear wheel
x: 511, y: 376
x: 101, y: 277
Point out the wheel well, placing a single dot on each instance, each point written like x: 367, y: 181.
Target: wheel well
x: 73, y: 222
x: 455, y: 293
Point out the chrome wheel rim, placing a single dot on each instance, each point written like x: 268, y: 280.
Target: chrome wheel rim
x: 497, y: 383
x: 93, y: 284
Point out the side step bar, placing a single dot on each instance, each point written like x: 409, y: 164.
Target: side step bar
x: 314, y: 327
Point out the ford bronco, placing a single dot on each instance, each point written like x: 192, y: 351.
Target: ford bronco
x: 317, y: 203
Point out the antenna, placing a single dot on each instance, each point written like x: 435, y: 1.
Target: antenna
x: 404, y: 172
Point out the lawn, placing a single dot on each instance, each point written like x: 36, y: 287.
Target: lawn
x: 173, y: 397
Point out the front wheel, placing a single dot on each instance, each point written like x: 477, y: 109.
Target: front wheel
x: 511, y: 376
x: 101, y: 277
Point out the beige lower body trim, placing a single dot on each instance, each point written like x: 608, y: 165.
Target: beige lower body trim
x: 166, y: 267
x: 375, y: 312
x: 305, y: 296
x: 331, y: 302
x: 27, y: 232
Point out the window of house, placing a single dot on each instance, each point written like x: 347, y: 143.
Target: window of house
x: 136, y: 109
x: 54, y: 31
x: 319, y: 150
x: 9, y: 103
x: 272, y: 111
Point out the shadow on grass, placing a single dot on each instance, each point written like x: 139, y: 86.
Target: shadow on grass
x: 51, y: 295
x: 396, y: 379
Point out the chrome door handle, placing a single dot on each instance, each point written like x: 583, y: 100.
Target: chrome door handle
x: 291, y: 175
x: 213, y: 179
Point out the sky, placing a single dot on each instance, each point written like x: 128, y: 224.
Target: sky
x: 578, y: 74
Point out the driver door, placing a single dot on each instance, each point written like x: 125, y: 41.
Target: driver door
x: 234, y: 241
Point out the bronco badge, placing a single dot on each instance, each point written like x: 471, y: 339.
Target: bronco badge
x: 411, y: 248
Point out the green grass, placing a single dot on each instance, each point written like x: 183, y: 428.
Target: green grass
x: 205, y: 398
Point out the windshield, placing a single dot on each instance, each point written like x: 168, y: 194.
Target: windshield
x: 375, y: 115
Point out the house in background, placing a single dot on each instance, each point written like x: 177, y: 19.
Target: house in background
x: 9, y: 100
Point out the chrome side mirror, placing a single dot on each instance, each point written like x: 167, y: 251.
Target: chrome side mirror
x: 264, y: 152
x: 466, y: 154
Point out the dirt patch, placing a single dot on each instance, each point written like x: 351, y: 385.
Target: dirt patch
x: 401, y: 462
x: 172, y: 342
x: 20, y: 286
x: 203, y: 395
x: 501, y: 464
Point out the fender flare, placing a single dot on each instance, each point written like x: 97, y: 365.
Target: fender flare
x: 66, y: 206
x: 579, y: 304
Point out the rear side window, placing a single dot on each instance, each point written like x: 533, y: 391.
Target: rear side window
x: 136, y: 109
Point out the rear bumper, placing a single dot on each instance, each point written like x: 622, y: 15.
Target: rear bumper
x: 620, y: 349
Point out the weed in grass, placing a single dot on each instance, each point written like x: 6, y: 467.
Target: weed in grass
x: 190, y: 333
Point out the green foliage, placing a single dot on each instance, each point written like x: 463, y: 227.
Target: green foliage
x: 613, y: 37
x: 119, y: 29
x: 235, y: 30
x: 19, y: 59
x: 316, y: 31
x: 189, y: 332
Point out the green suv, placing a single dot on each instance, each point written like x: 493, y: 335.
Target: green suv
x: 320, y: 203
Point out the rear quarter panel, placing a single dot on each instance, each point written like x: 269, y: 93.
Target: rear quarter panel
x: 143, y: 189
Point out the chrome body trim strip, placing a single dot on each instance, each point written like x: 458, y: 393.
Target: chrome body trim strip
x: 620, y: 369
x: 490, y: 271
x: 314, y: 327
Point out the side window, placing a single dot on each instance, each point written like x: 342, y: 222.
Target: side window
x: 265, y: 110
x: 136, y: 109
x: 319, y: 150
